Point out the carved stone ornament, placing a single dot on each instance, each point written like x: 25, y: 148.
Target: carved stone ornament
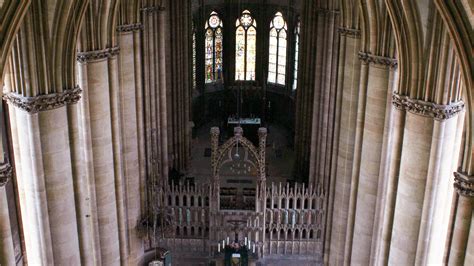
x: 437, y: 111
x: 152, y: 9
x: 325, y: 11
x: 91, y: 56
x: 44, y: 102
x: 6, y: 172
x: 378, y: 60
x: 464, y: 184
x: 354, y: 33
x: 130, y: 27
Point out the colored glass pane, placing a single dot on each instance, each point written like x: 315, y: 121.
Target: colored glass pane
x: 214, y: 48
x: 245, y: 47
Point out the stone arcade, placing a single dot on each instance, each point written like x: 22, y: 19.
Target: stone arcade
x: 358, y: 120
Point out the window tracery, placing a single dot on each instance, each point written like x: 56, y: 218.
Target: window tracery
x: 277, y: 50
x: 214, y: 47
x: 245, y: 47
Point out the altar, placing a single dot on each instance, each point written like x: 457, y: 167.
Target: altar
x: 249, y: 125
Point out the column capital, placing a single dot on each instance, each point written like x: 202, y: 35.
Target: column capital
x: 325, y: 11
x: 97, y: 55
x: 130, y: 27
x: 349, y: 32
x: 152, y: 9
x: 6, y: 172
x: 439, y: 112
x: 464, y: 184
x: 44, y: 102
x: 369, y: 58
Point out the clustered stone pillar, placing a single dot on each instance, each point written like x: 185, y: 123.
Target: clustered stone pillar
x: 462, y: 235
x: 305, y: 92
x: 316, y: 111
x: 155, y: 93
x: 45, y: 181
x: 426, y: 137
x: 324, y: 90
x: 42, y: 153
x: 95, y: 77
x: 132, y: 129
x: 175, y: 24
x: 7, y: 252
x: 348, y: 84
x: 368, y: 170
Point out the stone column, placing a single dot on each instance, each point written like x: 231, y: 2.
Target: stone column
x: 349, y: 69
x: 132, y: 129
x: 175, y: 33
x: 394, y: 128
x: 420, y: 169
x: 96, y: 65
x: 7, y: 253
x: 372, y: 139
x: 463, y: 231
x: 469, y: 258
x: 155, y: 72
x: 305, y: 91
x: 45, y: 181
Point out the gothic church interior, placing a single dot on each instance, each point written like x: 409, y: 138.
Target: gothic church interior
x: 236, y: 132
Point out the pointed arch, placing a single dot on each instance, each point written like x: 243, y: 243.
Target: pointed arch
x: 277, y: 50
x: 214, y: 47
x: 245, y: 46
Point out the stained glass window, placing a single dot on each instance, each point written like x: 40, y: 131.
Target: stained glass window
x: 277, y: 50
x: 297, y: 49
x: 245, y: 47
x: 213, y: 39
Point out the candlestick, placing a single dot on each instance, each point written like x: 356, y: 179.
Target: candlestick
x: 223, y: 243
x: 245, y: 241
x: 219, y: 247
x: 253, y: 249
x: 227, y: 240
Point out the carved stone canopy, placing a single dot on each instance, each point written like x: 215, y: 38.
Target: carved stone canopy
x: 219, y: 152
x: 464, y: 184
x: 44, y: 102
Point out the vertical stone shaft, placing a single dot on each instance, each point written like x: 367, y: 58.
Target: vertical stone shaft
x: 40, y: 136
x: 370, y: 161
x: 462, y: 231
x: 7, y: 253
x: 394, y: 129
x: 85, y: 182
x: 411, y: 187
x: 349, y: 86
x: 162, y: 24
x: 99, y: 100
x: 317, y: 101
x: 117, y: 140
x: 131, y: 118
x: 469, y: 257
